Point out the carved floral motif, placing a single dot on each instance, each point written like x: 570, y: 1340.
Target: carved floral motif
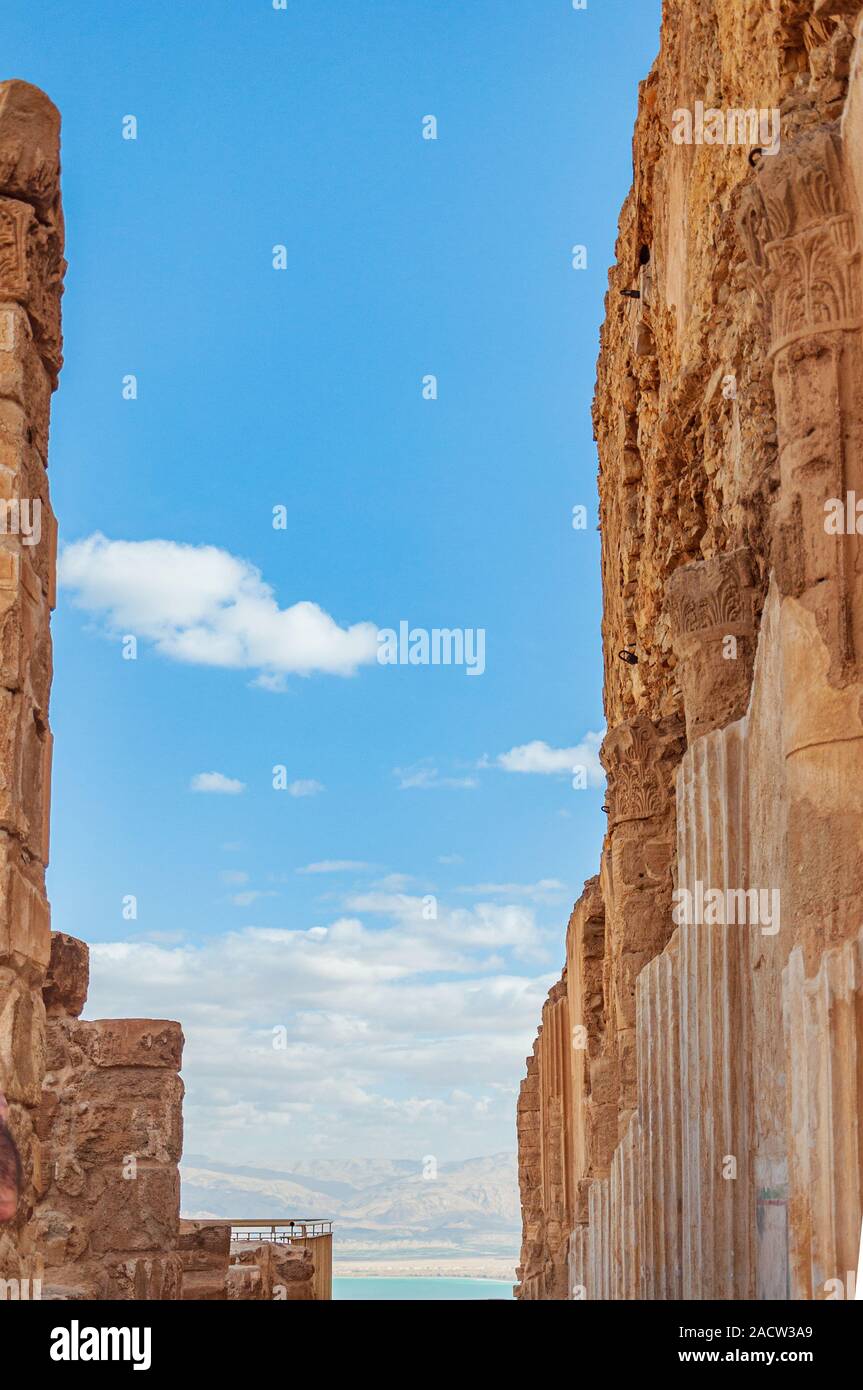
x: 802, y: 243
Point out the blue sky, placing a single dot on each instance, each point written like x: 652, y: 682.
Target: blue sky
x: 302, y: 388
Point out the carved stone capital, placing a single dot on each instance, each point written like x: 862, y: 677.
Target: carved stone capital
x: 29, y: 146
x: 31, y: 219
x: 639, y: 758
x: 801, y: 241
x: 31, y: 273
x: 712, y: 607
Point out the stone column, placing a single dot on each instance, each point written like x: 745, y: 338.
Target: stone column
x: 111, y: 1126
x: 594, y: 1069
x: 599, y: 1284
x: 660, y: 1115
x: 824, y: 1037
x: 545, y: 1152
x: 556, y: 1084
x: 639, y: 757
x: 800, y: 224
x: 718, y: 1207
x: 31, y: 276
x: 799, y: 228
x: 530, y: 1181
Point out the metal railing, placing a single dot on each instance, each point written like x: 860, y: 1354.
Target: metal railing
x: 280, y: 1231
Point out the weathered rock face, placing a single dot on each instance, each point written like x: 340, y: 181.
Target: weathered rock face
x: 710, y: 1018
x: 271, y: 1271
x: 205, y: 1252
x: 31, y: 282
x: 95, y: 1108
x: 111, y: 1128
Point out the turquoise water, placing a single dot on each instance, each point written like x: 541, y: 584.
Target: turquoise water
x: 420, y: 1289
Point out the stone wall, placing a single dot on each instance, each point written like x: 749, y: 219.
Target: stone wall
x: 111, y: 1127
x: 31, y: 283
x: 716, y: 1125
x: 271, y: 1272
x: 545, y: 1161
x: 94, y: 1108
x: 205, y: 1252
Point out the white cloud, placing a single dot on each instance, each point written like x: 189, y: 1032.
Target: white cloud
x: 394, y: 883
x: 202, y: 605
x: 334, y: 866
x: 545, y: 890
x: 305, y: 787
x: 539, y: 757
x: 236, y: 876
x: 487, y: 926
x: 216, y: 782
x: 379, y: 1019
x: 423, y: 776
x: 274, y: 681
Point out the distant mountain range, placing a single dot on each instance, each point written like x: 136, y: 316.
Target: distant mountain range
x: 381, y: 1209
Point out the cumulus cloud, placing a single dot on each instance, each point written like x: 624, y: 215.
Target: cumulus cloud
x: 202, y: 605
x: 487, y: 926
x: 376, y: 1017
x: 539, y: 757
x: 216, y: 782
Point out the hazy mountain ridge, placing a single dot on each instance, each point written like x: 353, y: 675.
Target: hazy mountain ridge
x: 379, y: 1207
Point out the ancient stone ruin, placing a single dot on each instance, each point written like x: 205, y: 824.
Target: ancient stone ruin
x: 31, y: 282
x: 691, y: 1122
x: 111, y: 1132
x: 95, y: 1107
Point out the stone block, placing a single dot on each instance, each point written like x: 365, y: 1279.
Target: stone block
x: 151, y: 1278
x: 25, y: 920
x: 110, y: 1127
x: 134, y: 1042
x: 205, y: 1286
x: 22, y: 1039
x: 293, y: 1275
x: 68, y: 978
x: 204, y: 1245
x: 136, y: 1214
x: 244, y: 1283
x: 25, y: 772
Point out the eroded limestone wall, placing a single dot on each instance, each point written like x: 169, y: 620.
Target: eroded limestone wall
x: 205, y: 1251
x: 110, y: 1123
x: 545, y: 1151
x: 271, y: 1272
x: 31, y: 282
x: 728, y: 414
x: 95, y: 1108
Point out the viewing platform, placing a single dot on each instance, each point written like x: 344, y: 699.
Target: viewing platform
x: 310, y: 1233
